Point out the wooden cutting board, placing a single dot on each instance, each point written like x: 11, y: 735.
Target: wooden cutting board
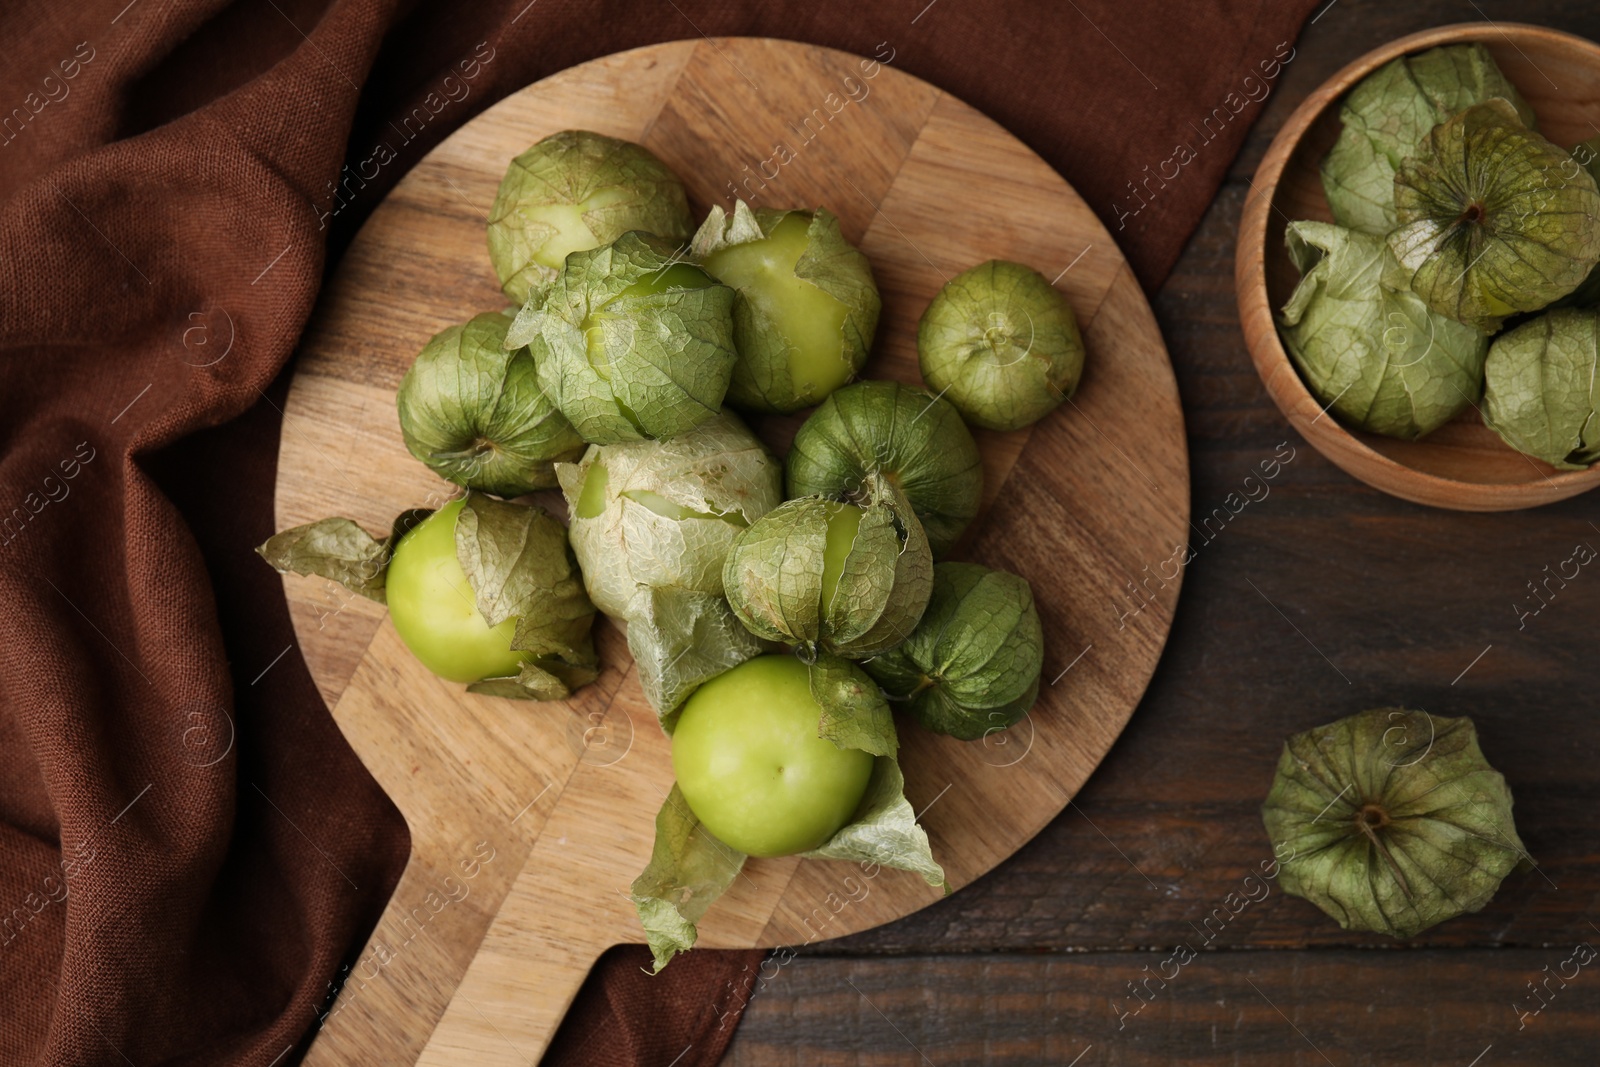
x: 529, y: 821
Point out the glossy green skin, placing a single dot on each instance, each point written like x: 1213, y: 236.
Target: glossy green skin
x: 810, y: 319
x: 433, y: 608
x: 843, y: 525
x: 571, y: 232
x: 592, y: 500
x: 752, y: 768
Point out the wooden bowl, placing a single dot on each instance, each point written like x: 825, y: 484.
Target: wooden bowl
x: 1463, y: 465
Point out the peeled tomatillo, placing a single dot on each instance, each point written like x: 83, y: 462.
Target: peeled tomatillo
x: 844, y: 522
x: 752, y: 768
x: 434, y: 610
x: 808, y: 319
x: 805, y: 305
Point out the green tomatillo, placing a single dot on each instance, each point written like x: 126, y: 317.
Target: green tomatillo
x: 435, y: 610
x: 1391, y: 820
x: 1388, y: 114
x: 908, y: 437
x: 773, y: 757
x: 1493, y: 219
x: 482, y: 591
x: 473, y: 411
x: 1368, y: 347
x: 663, y: 514
x: 971, y: 667
x: 651, y: 524
x: 752, y: 767
x: 805, y: 305
x: 1000, y: 344
x: 631, y: 342
x: 1542, y: 388
x: 826, y: 574
x: 574, y: 191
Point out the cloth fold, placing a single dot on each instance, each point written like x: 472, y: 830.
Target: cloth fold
x: 189, y: 852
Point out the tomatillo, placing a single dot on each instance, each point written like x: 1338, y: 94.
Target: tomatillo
x: 434, y: 609
x: 805, y: 304
x: 752, y: 768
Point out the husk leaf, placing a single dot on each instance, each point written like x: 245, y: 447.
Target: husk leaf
x: 1367, y: 346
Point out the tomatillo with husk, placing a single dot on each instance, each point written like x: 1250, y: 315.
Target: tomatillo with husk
x: 1369, y: 349
x: 1392, y: 109
x: 846, y: 578
x: 904, y: 435
x: 805, y: 306
x: 631, y: 342
x: 435, y: 609
x: 1391, y: 820
x: 1492, y: 218
x: 971, y: 667
x: 776, y: 756
x: 663, y: 514
x: 474, y: 413
x: 1542, y: 388
x: 482, y: 591
x: 573, y: 191
x: 1000, y: 344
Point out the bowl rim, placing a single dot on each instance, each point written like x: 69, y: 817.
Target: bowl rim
x: 1278, y: 373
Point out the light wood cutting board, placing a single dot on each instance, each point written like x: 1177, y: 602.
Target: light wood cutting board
x: 529, y: 821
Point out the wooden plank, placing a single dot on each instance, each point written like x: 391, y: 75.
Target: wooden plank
x: 1239, y: 1009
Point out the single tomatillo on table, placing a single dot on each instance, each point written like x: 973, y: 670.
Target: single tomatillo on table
x: 1392, y: 820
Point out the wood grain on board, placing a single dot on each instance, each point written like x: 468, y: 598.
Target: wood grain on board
x: 564, y: 797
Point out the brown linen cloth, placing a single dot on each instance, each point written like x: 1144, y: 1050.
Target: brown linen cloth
x: 188, y: 850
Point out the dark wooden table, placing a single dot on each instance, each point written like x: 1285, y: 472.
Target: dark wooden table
x: 1392, y: 603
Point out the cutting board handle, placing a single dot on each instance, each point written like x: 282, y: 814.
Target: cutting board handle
x: 530, y: 966
x: 561, y: 972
